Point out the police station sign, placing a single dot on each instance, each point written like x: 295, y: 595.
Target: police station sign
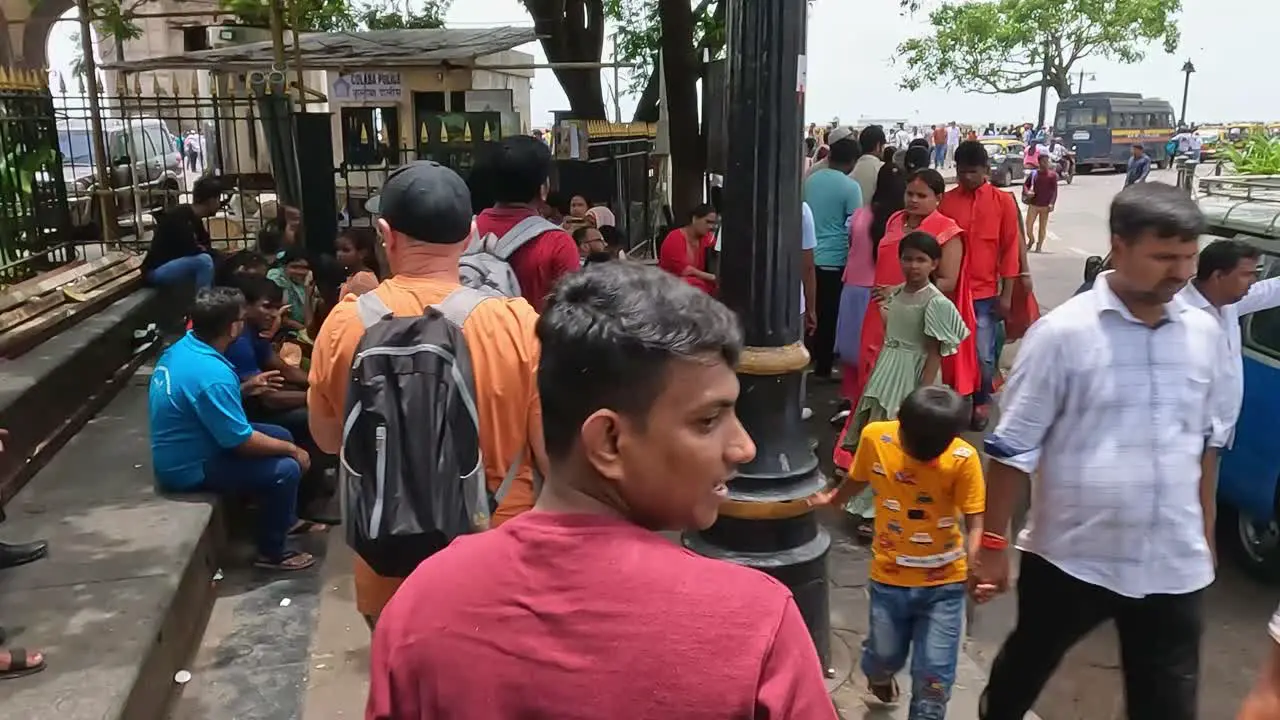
x: 366, y: 87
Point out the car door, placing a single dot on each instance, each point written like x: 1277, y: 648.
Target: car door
x: 1017, y: 151
x: 1251, y: 468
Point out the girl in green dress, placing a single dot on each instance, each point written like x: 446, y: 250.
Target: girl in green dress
x: 921, y: 326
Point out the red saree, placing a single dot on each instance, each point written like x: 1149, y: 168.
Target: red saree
x: 959, y: 371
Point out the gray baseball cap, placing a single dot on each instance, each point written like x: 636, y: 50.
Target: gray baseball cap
x: 426, y: 201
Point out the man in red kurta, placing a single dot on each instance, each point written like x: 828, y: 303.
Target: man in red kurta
x: 989, y: 218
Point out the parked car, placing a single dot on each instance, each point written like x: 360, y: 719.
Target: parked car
x: 142, y: 158
x: 1005, y: 155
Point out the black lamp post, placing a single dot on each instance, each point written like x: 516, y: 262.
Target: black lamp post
x: 1187, y: 69
x: 765, y: 523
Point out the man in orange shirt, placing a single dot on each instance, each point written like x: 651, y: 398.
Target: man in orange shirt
x: 992, y: 239
x: 424, y: 220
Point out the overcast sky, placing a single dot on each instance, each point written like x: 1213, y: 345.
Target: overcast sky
x: 851, y: 72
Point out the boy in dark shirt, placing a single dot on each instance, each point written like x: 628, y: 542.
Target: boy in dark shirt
x: 180, y: 244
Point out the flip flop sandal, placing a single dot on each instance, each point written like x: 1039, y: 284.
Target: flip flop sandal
x: 308, y: 527
x: 283, y: 563
x: 18, y: 666
x: 887, y: 693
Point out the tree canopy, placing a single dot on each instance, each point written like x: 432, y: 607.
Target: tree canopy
x: 337, y: 15
x: 999, y: 46
x: 640, y: 25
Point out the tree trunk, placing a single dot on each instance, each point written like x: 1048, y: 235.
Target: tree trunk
x: 680, y: 69
x: 573, y: 31
x: 647, y: 106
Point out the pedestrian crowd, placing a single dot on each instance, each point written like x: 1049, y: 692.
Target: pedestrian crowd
x: 484, y: 362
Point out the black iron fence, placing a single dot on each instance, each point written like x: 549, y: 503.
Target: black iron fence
x: 59, y: 202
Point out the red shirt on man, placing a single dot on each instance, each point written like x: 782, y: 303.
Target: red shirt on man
x: 989, y: 218
x: 587, y: 617
x: 541, y: 262
x: 940, y: 136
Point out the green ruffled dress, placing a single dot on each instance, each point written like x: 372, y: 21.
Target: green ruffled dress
x: 911, y: 320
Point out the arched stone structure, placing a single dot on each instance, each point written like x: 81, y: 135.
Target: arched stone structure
x: 35, y: 33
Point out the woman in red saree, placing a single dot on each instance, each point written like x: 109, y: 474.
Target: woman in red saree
x: 959, y: 371
x: 684, y: 251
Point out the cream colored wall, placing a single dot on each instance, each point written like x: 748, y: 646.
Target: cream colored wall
x: 439, y: 80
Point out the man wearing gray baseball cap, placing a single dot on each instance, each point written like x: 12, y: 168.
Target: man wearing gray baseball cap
x: 423, y: 216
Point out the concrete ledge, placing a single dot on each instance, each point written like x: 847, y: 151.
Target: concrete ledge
x: 122, y: 600
x: 49, y: 392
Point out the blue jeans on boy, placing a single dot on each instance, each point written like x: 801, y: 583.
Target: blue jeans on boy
x: 926, y: 623
x: 198, y: 268
x: 271, y: 480
x: 987, y: 311
x: 939, y: 156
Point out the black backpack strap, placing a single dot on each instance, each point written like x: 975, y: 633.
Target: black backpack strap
x: 459, y: 304
x: 510, y: 479
x: 372, y: 309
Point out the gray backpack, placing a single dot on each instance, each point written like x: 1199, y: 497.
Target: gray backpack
x: 485, y: 264
x: 414, y: 474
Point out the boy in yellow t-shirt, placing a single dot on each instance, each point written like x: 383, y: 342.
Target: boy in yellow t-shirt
x: 924, y: 478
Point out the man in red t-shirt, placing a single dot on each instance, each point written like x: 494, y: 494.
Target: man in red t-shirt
x: 517, y: 173
x: 578, y: 609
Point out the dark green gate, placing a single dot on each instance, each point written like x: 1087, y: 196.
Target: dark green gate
x: 34, y: 216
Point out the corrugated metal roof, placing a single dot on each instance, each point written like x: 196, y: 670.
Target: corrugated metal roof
x: 370, y: 48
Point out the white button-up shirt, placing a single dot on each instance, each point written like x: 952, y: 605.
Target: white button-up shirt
x: 1263, y: 295
x: 1113, y: 417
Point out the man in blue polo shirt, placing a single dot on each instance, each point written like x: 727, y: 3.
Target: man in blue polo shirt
x: 832, y: 197
x: 202, y: 441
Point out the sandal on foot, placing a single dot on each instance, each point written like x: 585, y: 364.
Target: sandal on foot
x: 886, y: 693
x: 290, y: 561
x: 308, y: 527
x: 20, y: 664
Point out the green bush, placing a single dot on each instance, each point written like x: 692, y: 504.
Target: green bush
x: 1259, y: 156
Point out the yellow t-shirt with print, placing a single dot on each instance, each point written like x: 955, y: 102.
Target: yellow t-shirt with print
x: 918, y: 540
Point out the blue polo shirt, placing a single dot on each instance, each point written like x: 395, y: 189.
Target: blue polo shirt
x: 833, y: 198
x: 195, y: 412
x: 248, y: 353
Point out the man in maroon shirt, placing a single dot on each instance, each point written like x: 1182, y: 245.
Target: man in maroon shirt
x: 517, y: 173
x: 1040, y: 192
x: 578, y: 609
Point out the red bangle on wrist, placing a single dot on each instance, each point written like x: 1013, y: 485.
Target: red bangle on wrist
x: 992, y: 541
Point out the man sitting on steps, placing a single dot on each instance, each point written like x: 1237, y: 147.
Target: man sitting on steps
x: 201, y: 440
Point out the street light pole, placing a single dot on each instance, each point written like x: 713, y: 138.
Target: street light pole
x: 1187, y: 69
x: 765, y: 523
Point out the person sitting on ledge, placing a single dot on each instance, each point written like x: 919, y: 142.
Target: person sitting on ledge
x: 201, y: 440
x: 180, y: 244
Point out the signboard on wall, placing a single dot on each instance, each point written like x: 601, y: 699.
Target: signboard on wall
x: 371, y: 86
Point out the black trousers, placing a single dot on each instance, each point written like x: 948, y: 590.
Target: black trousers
x: 1159, y: 644
x: 823, y: 340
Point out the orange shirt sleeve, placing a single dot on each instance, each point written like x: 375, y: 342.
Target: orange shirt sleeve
x: 1009, y: 262
x: 866, y: 458
x: 330, y: 374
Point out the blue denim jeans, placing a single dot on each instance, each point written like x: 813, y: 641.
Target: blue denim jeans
x: 939, y: 156
x: 987, y: 311
x: 198, y: 268
x: 924, y: 622
x: 271, y: 480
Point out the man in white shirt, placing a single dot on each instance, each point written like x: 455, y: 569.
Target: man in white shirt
x: 867, y: 170
x: 1196, y: 146
x: 953, y: 141
x: 1226, y: 287
x: 1118, y: 400
x: 901, y: 138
